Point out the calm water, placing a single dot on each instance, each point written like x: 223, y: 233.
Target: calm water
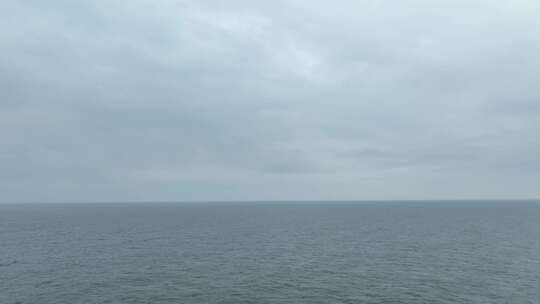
x: 451, y: 252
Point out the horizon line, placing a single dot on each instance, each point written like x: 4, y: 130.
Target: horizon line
x: 273, y: 201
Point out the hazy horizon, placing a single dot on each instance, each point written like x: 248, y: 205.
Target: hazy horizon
x: 293, y: 202
x: 114, y: 101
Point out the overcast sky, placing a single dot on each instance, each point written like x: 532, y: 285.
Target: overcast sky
x: 110, y: 100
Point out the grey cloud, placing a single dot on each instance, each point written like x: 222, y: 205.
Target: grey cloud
x: 209, y: 100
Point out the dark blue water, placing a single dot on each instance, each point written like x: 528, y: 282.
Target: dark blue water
x: 400, y: 252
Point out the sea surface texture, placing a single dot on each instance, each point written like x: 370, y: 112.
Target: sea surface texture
x: 327, y: 252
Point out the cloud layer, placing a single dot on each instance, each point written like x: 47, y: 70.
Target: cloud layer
x: 257, y: 100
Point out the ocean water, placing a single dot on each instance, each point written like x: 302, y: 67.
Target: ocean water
x: 327, y: 252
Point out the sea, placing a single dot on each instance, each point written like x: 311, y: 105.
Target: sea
x: 271, y: 252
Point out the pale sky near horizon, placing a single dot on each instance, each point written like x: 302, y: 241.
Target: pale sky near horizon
x: 269, y: 100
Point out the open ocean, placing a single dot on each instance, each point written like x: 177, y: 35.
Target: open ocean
x: 326, y: 252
